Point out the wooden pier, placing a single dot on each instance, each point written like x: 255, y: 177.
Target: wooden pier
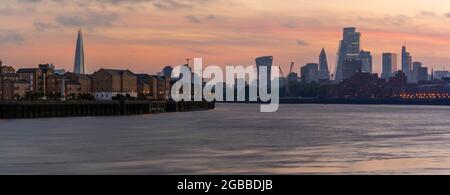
x: 46, y: 109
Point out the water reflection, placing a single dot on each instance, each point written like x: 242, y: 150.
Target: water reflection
x: 235, y: 139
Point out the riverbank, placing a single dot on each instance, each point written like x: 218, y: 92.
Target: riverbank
x: 46, y: 109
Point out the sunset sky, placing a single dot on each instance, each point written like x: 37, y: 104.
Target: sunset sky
x: 145, y: 35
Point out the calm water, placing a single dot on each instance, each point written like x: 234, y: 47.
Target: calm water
x: 235, y: 139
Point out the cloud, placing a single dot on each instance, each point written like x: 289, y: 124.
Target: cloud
x: 302, y: 43
x: 390, y: 20
x: 428, y: 13
x: 43, y: 26
x: 159, y: 4
x: 29, y: 1
x: 290, y: 24
x: 198, y: 20
x: 176, y: 4
x: 90, y: 20
x: 193, y: 19
x: 211, y: 17
x: 11, y: 36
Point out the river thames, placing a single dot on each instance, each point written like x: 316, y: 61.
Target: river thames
x: 235, y: 139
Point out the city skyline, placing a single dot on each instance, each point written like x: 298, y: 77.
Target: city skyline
x: 148, y: 35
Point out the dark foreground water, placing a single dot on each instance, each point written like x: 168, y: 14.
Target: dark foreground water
x: 235, y: 139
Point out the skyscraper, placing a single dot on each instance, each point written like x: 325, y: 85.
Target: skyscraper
x: 324, y: 73
x: 422, y: 74
x: 350, y: 67
x: 310, y: 73
x: 406, y: 63
x: 79, y: 66
x: 267, y: 62
x: 366, y: 59
x: 415, y: 71
x: 349, y: 48
x: 389, y: 65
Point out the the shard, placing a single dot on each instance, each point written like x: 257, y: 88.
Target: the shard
x: 79, y: 66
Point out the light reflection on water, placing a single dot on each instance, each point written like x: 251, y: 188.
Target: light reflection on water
x: 235, y: 139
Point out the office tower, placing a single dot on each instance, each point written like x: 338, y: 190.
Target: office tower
x: 310, y: 73
x: 406, y: 63
x: 415, y: 71
x: 389, y: 65
x: 417, y: 65
x: 422, y: 74
x: 366, y: 60
x: 324, y: 73
x: 79, y: 66
x: 349, y: 47
x: 440, y: 74
x: 350, y: 67
x: 265, y: 61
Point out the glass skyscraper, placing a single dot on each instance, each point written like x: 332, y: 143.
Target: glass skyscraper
x: 79, y: 66
x: 366, y: 59
x: 310, y: 73
x: 349, y: 48
x: 389, y: 65
x: 266, y: 61
x: 406, y: 63
x: 324, y: 73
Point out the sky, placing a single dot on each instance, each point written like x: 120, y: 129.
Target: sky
x: 146, y: 35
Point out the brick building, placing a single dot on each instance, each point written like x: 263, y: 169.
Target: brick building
x: 84, y: 80
x: 153, y: 86
x: 108, y: 83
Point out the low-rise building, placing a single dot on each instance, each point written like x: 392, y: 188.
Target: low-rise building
x: 6, y: 69
x: 31, y: 75
x: 12, y: 88
x: 84, y: 80
x: 108, y: 83
x: 154, y: 87
x: 21, y: 88
x: 72, y: 89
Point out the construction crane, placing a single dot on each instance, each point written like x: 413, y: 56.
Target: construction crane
x: 292, y: 67
x: 281, y: 71
x: 288, y: 83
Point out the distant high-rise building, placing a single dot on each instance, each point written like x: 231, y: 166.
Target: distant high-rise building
x: 366, y: 60
x: 440, y: 74
x: 432, y: 75
x: 324, y: 73
x: 265, y: 61
x: 406, y: 63
x: 310, y: 73
x: 351, y: 66
x: 349, y: 47
x: 422, y: 74
x: 167, y: 71
x: 79, y: 66
x: 417, y: 65
x: 415, y: 71
x: 389, y: 65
